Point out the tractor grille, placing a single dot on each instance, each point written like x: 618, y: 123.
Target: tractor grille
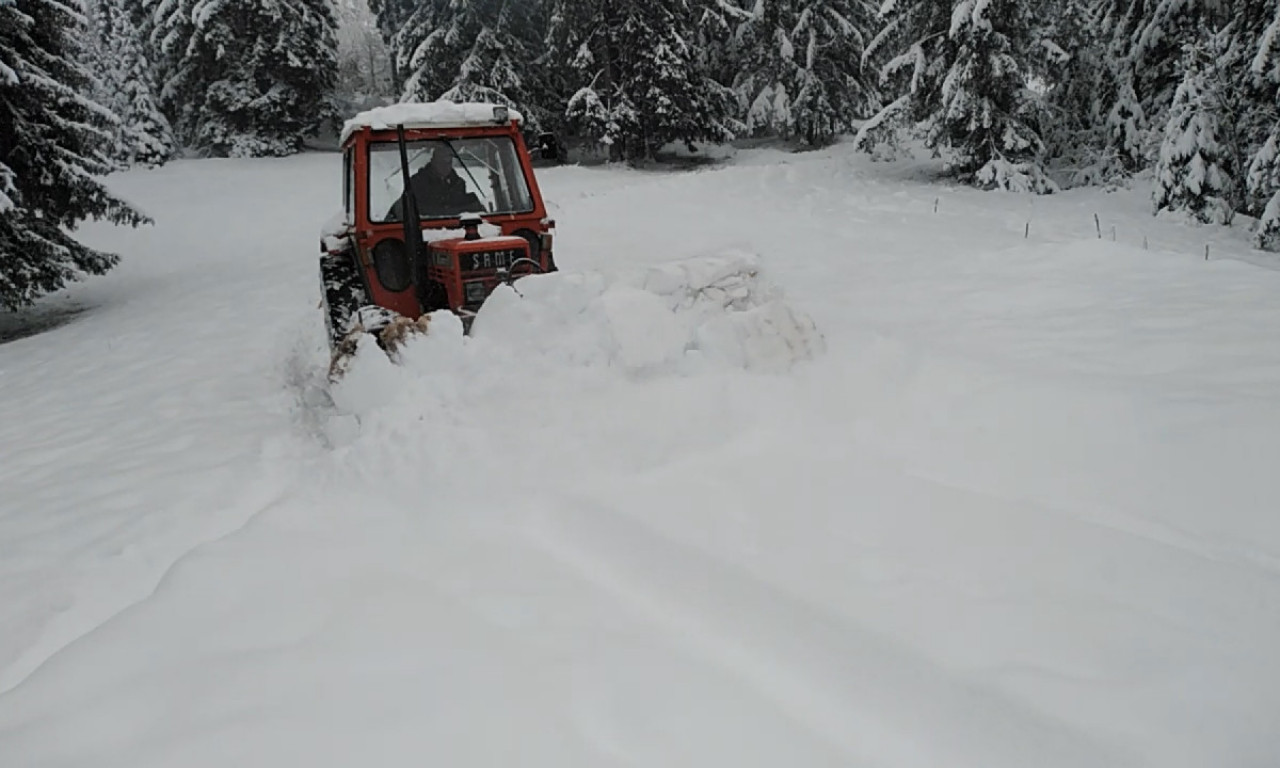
x: 472, y: 262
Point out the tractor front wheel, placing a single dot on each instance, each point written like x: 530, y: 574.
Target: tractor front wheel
x: 432, y: 296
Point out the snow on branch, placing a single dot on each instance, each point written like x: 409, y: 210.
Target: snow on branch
x: 76, y: 14
x: 7, y: 180
x: 882, y: 37
x: 961, y: 16
x: 881, y: 120
x: 1163, y: 18
x: 1054, y: 51
x: 1267, y: 47
x: 913, y: 57
x: 735, y: 11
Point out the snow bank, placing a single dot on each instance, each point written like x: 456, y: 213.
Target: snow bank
x: 737, y: 319
x: 1021, y: 513
x: 700, y: 315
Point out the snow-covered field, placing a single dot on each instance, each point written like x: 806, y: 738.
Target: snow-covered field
x: 1010, y: 500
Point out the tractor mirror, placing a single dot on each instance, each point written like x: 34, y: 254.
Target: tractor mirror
x: 548, y: 147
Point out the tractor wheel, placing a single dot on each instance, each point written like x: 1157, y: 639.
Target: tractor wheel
x: 535, y: 248
x: 342, y: 292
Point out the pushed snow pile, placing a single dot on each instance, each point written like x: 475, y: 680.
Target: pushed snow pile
x: 684, y: 316
x: 734, y: 316
x: 729, y: 280
x: 564, y: 330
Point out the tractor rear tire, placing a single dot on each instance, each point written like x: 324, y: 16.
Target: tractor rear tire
x: 342, y: 291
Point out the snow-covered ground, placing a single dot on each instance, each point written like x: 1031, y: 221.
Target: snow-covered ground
x: 1013, y: 503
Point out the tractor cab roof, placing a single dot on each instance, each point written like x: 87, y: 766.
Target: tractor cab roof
x: 437, y: 114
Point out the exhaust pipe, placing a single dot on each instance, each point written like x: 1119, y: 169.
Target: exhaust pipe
x: 409, y: 215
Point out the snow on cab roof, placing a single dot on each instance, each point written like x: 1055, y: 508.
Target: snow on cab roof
x: 435, y: 114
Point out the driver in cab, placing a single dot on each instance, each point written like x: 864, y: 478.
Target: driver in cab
x: 438, y: 190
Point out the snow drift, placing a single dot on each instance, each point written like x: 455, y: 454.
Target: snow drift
x: 698, y: 315
x: 1013, y: 504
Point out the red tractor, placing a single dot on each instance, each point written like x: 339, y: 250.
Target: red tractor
x: 440, y: 207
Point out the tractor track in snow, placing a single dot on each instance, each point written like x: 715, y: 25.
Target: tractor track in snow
x: 861, y: 693
x: 49, y: 655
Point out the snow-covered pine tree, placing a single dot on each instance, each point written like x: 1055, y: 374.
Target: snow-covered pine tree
x: 8, y: 79
x: 1158, y: 45
x: 1125, y: 144
x: 832, y: 89
x: 1201, y: 159
x: 1144, y: 42
x: 391, y: 16
x: 168, y: 31
x: 910, y: 54
x: 91, y: 52
x: 637, y: 83
x: 802, y: 67
x: 766, y: 66
x: 1069, y: 68
x: 245, y: 78
x: 1260, y: 25
x: 126, y: 87
x: 48, y: 153
x: 365, y: 75
x: 473, y: 50
x: 721, y: 51
x: 98, y: 61
x: 1126, y: 127
x: 960, y: 70
x: 986, y: 112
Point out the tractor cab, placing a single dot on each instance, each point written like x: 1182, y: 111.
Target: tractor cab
x: 441, y: 205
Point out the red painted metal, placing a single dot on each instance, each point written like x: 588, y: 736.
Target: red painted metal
x: 457, y: 262
x: 455, y: 274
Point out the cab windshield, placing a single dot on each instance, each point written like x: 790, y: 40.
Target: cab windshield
x: 450, y: 177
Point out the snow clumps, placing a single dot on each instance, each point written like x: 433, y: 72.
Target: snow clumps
x: 572, y: 332
x: 682, y: 317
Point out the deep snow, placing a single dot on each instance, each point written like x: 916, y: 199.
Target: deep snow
x: 1009, y: 500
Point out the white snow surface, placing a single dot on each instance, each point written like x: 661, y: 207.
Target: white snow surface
x: 430, y: 114
x: 784, y: 467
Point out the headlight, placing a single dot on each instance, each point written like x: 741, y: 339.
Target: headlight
x: 475, y: 292
x: 500, y: 114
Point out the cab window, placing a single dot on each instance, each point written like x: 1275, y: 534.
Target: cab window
x: 450, y: 177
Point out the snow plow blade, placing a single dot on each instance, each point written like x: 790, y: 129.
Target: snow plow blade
x: 391, y: 331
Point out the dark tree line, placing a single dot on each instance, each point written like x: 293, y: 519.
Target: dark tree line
x: 1015, y: 94
x: 52, y: 136
x: 631, y: 77
x: 1018, y: 94
x: 87, y: 88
